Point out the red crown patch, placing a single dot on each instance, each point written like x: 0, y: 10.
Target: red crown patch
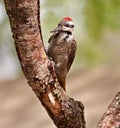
x: 67, y: 18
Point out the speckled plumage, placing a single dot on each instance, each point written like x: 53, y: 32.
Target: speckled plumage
x: 61, y: 49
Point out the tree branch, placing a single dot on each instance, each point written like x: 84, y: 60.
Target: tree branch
x: 37, y: 68
x: 40, y: 72
x: 111, y: 118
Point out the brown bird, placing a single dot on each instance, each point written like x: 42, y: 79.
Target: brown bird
x: 62, y: 48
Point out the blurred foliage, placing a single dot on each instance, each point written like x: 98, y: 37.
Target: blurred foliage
x: 89, y: 54
x: 91, y: 18
x: 101, y: 14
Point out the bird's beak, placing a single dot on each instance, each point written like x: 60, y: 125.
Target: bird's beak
x: 56, y: 30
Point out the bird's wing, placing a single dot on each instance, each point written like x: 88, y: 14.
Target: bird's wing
x: 51, y: 38
x: 71, y: 53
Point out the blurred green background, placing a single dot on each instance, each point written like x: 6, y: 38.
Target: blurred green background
x: 97, y: 32
x: 94, y: 77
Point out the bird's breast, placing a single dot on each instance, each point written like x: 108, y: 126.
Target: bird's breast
x: 65, y: 38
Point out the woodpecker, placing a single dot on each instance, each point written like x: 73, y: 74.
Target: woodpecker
x: 62, y: 49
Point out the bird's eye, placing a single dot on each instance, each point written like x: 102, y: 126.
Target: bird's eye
x: 72, y: 26
x: 67, y: 25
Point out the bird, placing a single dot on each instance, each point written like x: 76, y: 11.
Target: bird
x: 62, y: 48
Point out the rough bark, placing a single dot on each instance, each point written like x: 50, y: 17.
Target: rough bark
x: 111, y: 118
x: 38, y: 69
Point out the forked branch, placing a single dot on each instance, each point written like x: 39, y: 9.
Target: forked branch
x: 38, y: 69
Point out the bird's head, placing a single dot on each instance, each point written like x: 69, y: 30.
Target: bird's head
x: 65, y: 25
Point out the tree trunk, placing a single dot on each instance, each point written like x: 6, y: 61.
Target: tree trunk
x: 37, y: 68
